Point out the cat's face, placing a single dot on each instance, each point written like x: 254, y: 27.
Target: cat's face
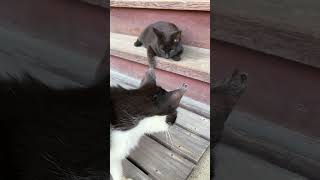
x: 168, y: 44
x: 149, y: 100
x: 162, y: 102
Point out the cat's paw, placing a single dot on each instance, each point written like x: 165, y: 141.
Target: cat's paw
x: 138, y: 43
x: 176, y: 58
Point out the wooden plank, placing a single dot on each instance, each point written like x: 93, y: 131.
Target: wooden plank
x: 195, y: 62
x: 196, y: 5
x: 281, y: 28
x: 133, y: 172
x: 160, y: 162
x: 194, y: 123
x: 183, y: 143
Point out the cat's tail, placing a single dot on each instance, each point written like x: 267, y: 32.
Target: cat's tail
x: 138, y: 43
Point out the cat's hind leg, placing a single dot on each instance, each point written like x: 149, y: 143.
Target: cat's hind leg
x: 151, y: 54
x: 138, y: 43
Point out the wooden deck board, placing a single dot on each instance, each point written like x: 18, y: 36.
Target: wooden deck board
x: 184, y: 143
x: 194, y: 123
x: 160, y: 162
x: 195, y: 62
x: 130, y: 170
x: 196, y: 5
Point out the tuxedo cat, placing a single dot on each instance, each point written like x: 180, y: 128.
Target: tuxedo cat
x: 225, y: 96
x: 148, y: 109
x: 161, y: 39
x: 53, y: 134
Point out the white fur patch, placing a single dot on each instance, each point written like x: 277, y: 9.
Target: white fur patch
x: 122, y: 142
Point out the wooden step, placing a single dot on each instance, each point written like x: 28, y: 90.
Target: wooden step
x: 195, y: 25
x: 195, y: 5
x: 231, y: 164
x: 160, y: 158
x: 284, y: 147
x: 195, y: 62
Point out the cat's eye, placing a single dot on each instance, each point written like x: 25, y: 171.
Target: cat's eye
x: 155, y: 98
x: 176, y: 40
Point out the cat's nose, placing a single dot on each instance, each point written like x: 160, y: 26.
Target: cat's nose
x: 167, y: 56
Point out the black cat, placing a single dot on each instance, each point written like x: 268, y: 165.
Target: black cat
x: 161, y: 39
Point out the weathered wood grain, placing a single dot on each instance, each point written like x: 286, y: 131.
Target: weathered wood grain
x: 183, y: 143
x: 195, y: 62
x: 160, y: 162
x: 196, y: 5
x: 131, y: 171
x: 194, y: 123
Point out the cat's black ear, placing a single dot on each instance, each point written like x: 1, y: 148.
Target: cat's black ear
x: 158, y: 33
x: 149, y: 78
x: 176, y: 96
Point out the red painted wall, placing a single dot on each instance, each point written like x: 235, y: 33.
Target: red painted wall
x: 195, y: 25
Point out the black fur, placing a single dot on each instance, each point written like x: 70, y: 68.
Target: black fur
x: 225, y: 96
x: 51, y: 134
x: 161, y: 39
x: 131, y: 106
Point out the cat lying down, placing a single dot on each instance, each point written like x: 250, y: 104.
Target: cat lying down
x: 162, y: 39
x: 148, y: 109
